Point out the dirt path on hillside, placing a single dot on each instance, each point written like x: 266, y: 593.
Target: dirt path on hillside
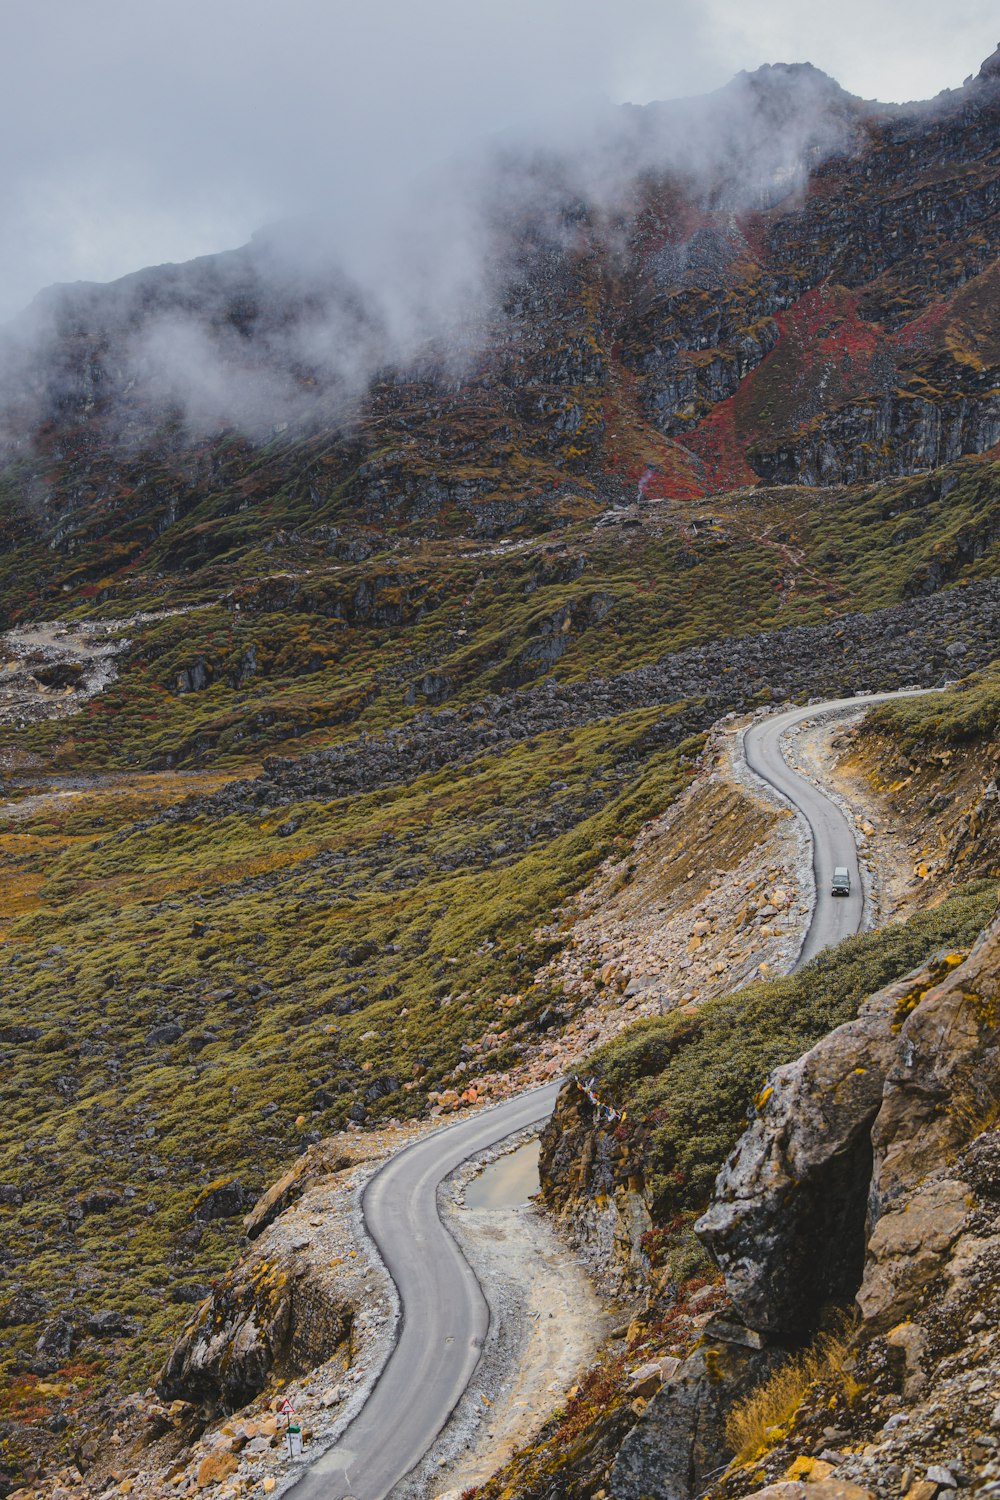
x: 62, y: 792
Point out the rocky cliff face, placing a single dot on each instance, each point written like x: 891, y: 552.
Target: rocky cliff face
x: 916, y: 1078
x: 787, y: 1224
x: 589, y: 1179
x: 688, y: 340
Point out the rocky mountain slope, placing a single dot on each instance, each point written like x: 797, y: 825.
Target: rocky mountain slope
x: 358, y: 685
x: 673, y: 340
x: 747, y: 1245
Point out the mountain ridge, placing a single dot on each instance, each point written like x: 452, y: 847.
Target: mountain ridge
x: 833, y: 340
x: 420, y: 592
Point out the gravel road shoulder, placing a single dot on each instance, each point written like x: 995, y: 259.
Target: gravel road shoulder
x: 546, y: 1325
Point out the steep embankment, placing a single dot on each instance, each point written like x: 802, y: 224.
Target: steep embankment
x: 473, y: 628
x: 792, y: 1239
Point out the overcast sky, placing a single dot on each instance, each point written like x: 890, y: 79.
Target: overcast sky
x: 139, y: 131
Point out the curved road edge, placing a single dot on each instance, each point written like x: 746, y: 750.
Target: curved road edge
x: 444, y: 1316
x: 443, y: 1313
x: 832, y: 839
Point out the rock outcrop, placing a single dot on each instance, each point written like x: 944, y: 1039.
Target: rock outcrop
x: 318, y: 1160
x: 843, y: 1183
x: 942, y: 1089
x: 586, y: 1177
x: 296, y: 1300
x: 877, y: 438
x: 787, y: 1222
x: 916, y: 1414
x: 679, y: 1441
x: 262, y: 1319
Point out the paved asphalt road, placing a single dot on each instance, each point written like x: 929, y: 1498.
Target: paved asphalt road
x: 445, y: 1317
x: 835, y: 917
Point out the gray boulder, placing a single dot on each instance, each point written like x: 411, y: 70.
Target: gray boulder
x: 222, y: 1200
x: 262, y: 1318
x: 680, y: 1438
x: 56, y: 1342
x: 787, y: 1221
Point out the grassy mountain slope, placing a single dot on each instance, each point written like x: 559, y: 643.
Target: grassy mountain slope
x: 394, y: 638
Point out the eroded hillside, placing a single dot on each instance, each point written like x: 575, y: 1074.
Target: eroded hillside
x: 712, y: 1364
x: 349, y: 755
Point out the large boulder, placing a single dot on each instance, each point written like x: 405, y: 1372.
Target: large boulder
x: 787, y: 1220
x: 262, y: 1318
x: 941, y: 1090
x: 679, y: 1440
x: 844, y: 1183
x: 222, y: 1199
x: 319, y: 1160
x: 56, y: 1343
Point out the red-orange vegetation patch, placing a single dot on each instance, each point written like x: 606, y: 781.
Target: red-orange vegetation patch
x: 637, y: 454
x: 715, y: 443
x: 923, y: 333
x: 826, y: 320
x: 600, y: 1390
x: 678, y: 476
x: 823, y: 357
x: 30, y: 1399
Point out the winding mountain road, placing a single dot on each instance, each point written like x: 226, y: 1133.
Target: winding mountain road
x: 444, y: 1313
x: 445, y: 1318
x: 834, y: 917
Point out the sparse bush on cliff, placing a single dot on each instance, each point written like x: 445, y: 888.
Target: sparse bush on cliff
x: 752, y: 1423
x: 968, y: 711
x: 688, y: 1079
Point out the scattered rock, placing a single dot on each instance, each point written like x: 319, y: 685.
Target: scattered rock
x: 215, y: 1467
x: 223, y: 1199
x: 165, y: 1035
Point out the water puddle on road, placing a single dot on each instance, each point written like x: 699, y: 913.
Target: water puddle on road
x: 508, y: 1182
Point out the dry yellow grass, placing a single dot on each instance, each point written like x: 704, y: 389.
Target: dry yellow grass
x: 751, y: 1425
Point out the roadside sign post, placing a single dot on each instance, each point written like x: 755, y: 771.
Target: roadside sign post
x: 293, y: 1430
